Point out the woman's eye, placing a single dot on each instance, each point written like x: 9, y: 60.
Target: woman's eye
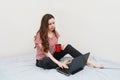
x: 49, y: 23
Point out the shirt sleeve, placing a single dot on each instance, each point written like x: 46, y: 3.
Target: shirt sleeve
x: 37, y: 39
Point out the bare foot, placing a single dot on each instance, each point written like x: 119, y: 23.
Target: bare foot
x: 91, y: 64
x: 98, y: 66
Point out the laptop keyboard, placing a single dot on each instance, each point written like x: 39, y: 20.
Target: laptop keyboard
x: 63, y: 71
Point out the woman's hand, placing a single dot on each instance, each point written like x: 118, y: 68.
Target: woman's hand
x: 63, y: 47
x: 64, y: 64
x: 66, y: 61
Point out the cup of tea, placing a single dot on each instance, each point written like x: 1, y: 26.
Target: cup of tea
x: 57, y: 47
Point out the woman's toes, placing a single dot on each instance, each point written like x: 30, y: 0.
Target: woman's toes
x: 99, y: 67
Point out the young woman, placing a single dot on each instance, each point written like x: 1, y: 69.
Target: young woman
x: 45, y: 40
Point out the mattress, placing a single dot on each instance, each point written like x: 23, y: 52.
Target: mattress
x: 23, y: 68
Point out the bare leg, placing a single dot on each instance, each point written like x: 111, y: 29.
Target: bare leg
x: 91, y: 64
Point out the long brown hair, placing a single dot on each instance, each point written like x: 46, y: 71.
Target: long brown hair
x: 43, y: 31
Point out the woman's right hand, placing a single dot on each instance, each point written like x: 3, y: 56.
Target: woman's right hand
x: 64, y: 64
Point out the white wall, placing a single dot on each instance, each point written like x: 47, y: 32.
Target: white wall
x: 89, y: 25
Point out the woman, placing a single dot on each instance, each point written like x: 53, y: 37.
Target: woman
x: 45, y: 40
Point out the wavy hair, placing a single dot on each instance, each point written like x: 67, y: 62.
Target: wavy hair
x: 43, y: 31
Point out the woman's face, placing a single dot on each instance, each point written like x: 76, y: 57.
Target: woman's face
x: 51, y: 24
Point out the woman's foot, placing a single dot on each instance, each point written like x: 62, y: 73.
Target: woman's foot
x: 98, y: 66
x: 91, y: 64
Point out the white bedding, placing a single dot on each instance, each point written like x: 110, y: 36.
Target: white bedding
x: 23, y: 68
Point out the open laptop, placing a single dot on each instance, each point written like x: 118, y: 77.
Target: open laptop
x: 76, y: 65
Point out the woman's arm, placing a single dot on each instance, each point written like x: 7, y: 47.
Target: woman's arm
x: 60, y: 64
x: 40, y: 45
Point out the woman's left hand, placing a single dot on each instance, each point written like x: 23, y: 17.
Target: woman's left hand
x: 63, y: 47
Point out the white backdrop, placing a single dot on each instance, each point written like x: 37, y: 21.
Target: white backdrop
x: 89, y: 25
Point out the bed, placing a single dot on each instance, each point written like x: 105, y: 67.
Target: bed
x: 23, y: 68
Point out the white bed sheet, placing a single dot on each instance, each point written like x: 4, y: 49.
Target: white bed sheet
x: 23, y: 68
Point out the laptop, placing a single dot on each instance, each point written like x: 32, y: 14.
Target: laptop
x: 76, y: 65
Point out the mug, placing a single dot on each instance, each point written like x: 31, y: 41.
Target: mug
x: 57, y: 47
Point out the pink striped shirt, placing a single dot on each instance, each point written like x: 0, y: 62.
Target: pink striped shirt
x: 52, y: 41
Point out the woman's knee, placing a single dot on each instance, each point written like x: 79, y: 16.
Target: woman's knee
x: 38, y: 63
x: 68, y: 46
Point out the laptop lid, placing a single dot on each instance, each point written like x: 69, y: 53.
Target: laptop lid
x: 85, y: 56
x: 78, y: 63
